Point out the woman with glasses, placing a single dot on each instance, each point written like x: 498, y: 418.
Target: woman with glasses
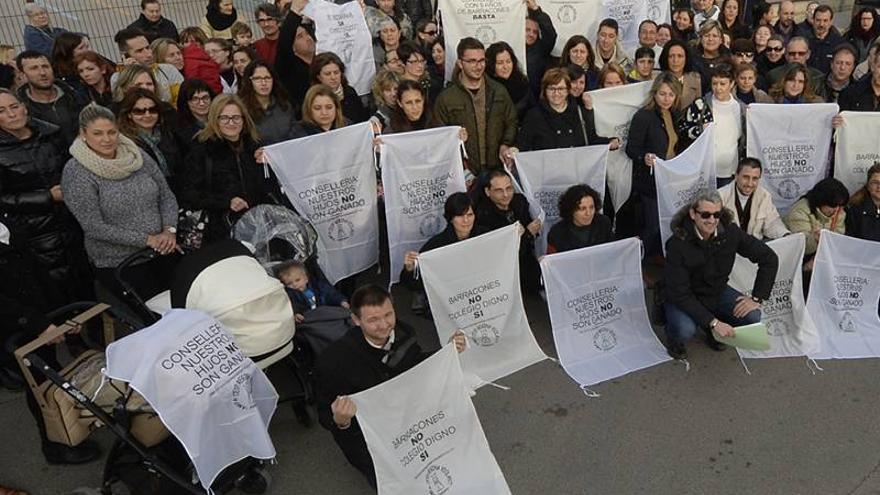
x: 415, y: 68
x: 388, y: 39
x: 222, y: 174
x: 141, y: 119
x: 503, y: 66
x: 864, y: 28
x: 772, y: 57
x: 193, y: 103
x: 557, y: 121
x: 328, y: 69
x: 863, y: 212
x: 267, y: 103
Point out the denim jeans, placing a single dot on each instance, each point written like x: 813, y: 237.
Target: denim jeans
x: 680, y: 327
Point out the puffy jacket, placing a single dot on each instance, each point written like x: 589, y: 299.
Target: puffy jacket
x: 28, y: 170
x: 697, y: 271
x: 455, y: 106
x: 863, y: 220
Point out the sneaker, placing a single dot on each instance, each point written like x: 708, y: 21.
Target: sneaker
x: 58, y: 453
x: 677, y: 350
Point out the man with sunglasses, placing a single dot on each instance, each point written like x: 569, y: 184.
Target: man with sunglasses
x: 699, y: 259
x: 797, y: 51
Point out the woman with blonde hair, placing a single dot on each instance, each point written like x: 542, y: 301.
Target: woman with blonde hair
x: 385, y: 95
x: 321, y: 112
x: 133, y: 76
x: 168, y: 51
x: 222, y: 175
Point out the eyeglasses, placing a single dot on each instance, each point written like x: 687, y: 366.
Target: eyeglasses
x: 557, y: 89
x: 430, y: 33
x: 144, y: 111
x: 745, y: 54
x: 416, y: 61
x: 264, y: 20
x: 261, y: 78
x: 705, y: 215
x: 797, y: 54
x: 230, y: 119
x: 775, y: 48
x: 474, y: 61
x: 201, y: 99
x: 874, y: 184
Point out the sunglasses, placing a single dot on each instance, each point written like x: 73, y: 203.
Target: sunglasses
x: 705, y: 215
x: 430, y: 33
x: 775, y: 48
x: 144, y: 111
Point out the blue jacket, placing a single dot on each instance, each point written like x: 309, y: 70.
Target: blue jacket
x: 41, y: 40
x: 325, y: 295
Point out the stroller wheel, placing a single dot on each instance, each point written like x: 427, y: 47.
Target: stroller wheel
x: 255, y: 480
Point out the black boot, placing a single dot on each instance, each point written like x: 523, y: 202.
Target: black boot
x: 58, y: 453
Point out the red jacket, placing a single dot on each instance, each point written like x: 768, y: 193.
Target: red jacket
x: 197, y: 64
x: 266, y: 50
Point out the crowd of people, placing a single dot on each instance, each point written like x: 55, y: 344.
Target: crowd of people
x: 163, y: 150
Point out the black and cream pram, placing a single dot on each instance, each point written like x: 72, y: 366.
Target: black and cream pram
x: 145, y: 458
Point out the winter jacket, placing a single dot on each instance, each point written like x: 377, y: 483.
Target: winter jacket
x: 26, y: 295
x: 63, y: 112
x: 352, y: 107
x: 232, y: 174
x: 276, y: 123
x: 647, y: 134
x: 266, y: 50
x: 293, y: 72
x: 863, y: 220
x: 764, y: 219
x: 821, y: 51
x: 325, y: 295
x: 455, y: 106
x: 41, y: 40
x: 46, y: 229
x: 545, y: 128
x: 801, y: 219
x: 163, y: 28
x: 538, y: 54
x: 172, y: 152
x: 197, y: 64
x: 118, y: 215
x: 562, y: 236
x: 859, y: 97
x: 697, y: 271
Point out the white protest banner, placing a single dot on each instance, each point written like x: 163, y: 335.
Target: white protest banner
x: 597, y: 310
x: 486, y: 20
x: 843, y: 298
x: 473, y: 285
x: 546, y: 174
x: 792, y: 142
x: 424, y: 435
x: 212, y: 397
x: 330, y: 180
x: 571, y: 17
x: 680, y: 179
x: 613, y: 109
x: 790, y: 328
x: 857, y: 148
x: 419, y: 171
x: 342, y: 29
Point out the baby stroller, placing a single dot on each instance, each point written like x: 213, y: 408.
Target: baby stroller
x: 145, y: 458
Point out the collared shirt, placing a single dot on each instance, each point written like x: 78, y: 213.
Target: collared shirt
x: 700, y: 236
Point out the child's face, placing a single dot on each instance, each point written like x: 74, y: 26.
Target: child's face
x: 244, y: 39
x: 295, y: 278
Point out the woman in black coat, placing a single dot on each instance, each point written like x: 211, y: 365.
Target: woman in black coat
x: 329, y: 70
x: 652, y: 135
x: 222, y: 174
x: 148, y: 121
x: 503, y: 66
x: 557, y: 121
x: 580, y: 224
x: 32, y: 155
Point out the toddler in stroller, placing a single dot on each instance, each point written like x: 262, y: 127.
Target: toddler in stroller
x: 305, y: 293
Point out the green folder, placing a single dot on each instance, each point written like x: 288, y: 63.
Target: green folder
x: 751, y: 337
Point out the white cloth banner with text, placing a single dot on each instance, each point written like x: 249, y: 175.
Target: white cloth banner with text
x: 571, y: 17
x: 424, y: 435
x: 843, y: 299
x: 486, y: 20
x: 613, y: 109
x: 597, y: 311
x: 545, y: 175
x: 342, y: 29
x: 629, y: 14
x: 419, y: 171
x: 680, y: 179
x: 858, y: 147
x: 330, y: 180
x: 473, y: 285
x: 790, y: 328
x: 210, y: 395
x: 793, y: 143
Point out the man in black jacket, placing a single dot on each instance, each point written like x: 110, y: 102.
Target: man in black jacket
x: 540, y: 40
x: 864, y: 96
x: 152, y: 23
x: 500, y: 207
x: 699, y: 259
x: 380, y: 348
x: 47, y: 98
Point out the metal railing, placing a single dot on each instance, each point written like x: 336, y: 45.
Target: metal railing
x: 101, y: 19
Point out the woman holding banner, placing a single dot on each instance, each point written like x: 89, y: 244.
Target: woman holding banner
x: 580, y: 224
x: 863, y: 212
x: 321, y: 111
x: 793, y: 87
x: 652, y: 135
x: 578, y: 51
x: 822, y: 208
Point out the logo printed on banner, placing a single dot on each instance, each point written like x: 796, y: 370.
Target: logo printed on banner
x: 485, y: 335
x: 432, y: 224
x: 243, y: 392
x: 777, y: 327
x: 789, y: 189
x: 846, y: 323
x: 486, y: 34
x: 340, y: 229
x: 605, y: 339
x: 438, y: 479
x: 566, y: 14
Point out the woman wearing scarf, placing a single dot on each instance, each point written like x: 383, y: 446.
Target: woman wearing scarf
x: 219, y: 19
x: 145, y: 120
x: 121, y: 200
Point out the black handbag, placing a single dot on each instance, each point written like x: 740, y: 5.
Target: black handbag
x: 192, y: 225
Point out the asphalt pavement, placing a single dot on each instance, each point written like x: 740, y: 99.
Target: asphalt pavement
x: 711, y: 430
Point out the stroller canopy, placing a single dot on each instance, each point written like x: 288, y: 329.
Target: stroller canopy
x: 275, y: 234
